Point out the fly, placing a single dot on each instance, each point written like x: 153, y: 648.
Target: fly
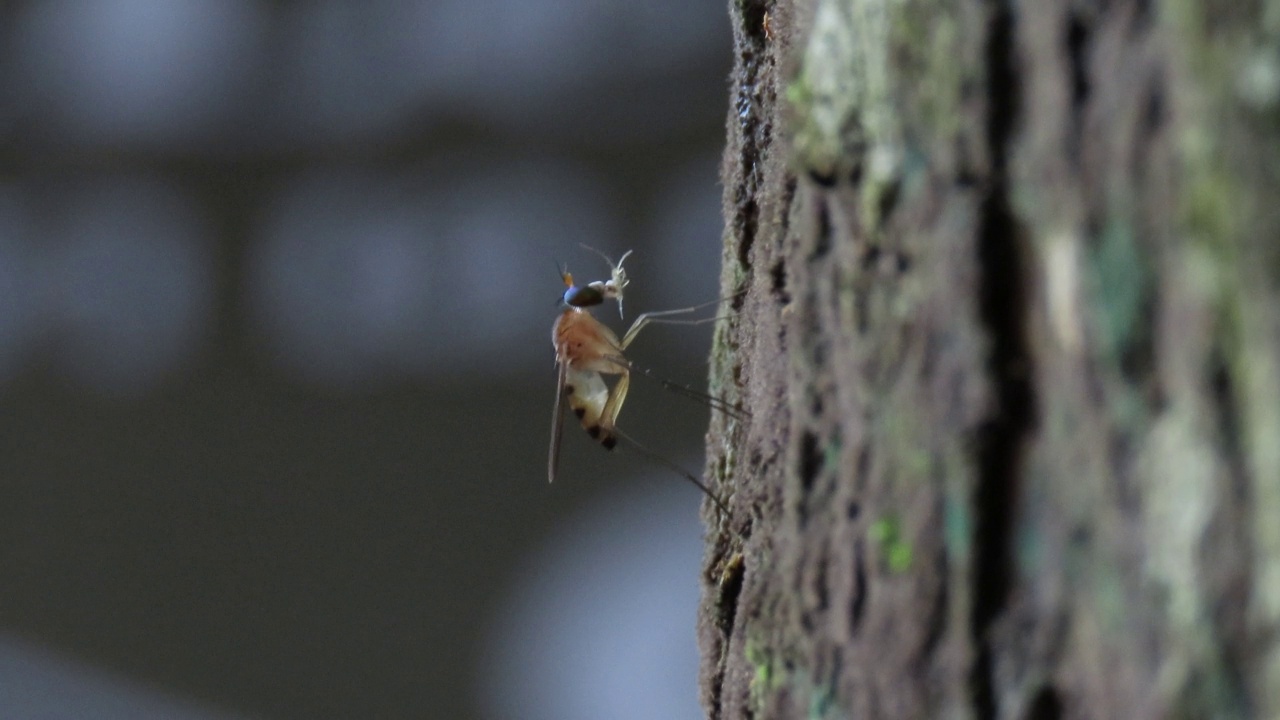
x: 586, y: 350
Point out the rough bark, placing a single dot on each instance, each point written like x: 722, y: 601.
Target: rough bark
x: 1010, y: 345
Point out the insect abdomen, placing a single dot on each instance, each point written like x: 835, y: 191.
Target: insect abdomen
x: 587, y: 397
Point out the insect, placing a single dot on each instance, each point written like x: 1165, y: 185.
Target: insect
x: 586, y: 349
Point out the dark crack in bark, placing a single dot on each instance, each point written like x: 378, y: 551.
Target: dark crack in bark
x: 1004, y: 299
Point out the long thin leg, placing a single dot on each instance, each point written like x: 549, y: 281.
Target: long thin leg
x: 649, y: 317
x: 710, y: 401
x: 672, y: 466
x: 617, y: 396
x: 557, y: 423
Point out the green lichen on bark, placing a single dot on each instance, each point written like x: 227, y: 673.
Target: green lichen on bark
x: 843, y: 102
x: 834, y: 93
x: 1094, y: 537
x: 1229, y: 81
x: 1122, y: 288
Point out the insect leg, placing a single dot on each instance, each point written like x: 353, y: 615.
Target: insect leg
x: 649, y: 317
x: 676, y: 468
x: 609, y: 418
x: 557, y: 423
x: 710, y: 401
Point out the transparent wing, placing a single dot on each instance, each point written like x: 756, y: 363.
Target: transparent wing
x: 557, y: 423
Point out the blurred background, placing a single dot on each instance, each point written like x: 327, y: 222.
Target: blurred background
x: 276, y: 289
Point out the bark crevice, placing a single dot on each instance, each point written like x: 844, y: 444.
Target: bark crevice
x: 1003, y: 301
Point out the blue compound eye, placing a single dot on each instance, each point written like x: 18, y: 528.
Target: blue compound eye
x: 582, y: 296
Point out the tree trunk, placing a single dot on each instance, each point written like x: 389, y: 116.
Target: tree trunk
x: 1010, y: 345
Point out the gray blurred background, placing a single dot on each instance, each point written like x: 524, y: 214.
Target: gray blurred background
x: 276, y: 288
